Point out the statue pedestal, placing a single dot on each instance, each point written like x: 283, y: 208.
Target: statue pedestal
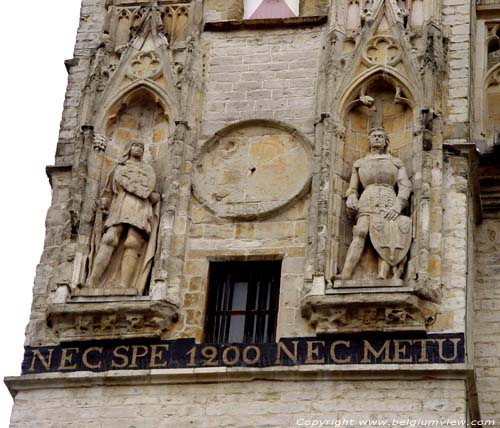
x: 97, y: 292
x: 362, y: 310
x: 100, y: 318
x: 367, y: 283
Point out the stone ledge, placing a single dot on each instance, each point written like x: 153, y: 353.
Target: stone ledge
x: 368, y: 312
x: 111, y: 320
x: 463, y: 372
x: 51, y: 170
x: 239, y: 374
x: 259, y: 24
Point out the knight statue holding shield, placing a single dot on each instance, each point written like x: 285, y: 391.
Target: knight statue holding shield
x: 378, y: 192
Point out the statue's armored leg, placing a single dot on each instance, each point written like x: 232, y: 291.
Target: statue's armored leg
x: 383, y: 269
x: 133, y: 246
x: 397, y: 270
x: 106, y: 249
x: 355, y: 251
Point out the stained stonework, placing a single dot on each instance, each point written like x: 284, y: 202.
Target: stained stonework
x: 223, y: 10
x: 257, y: 141
x: 234, y: 170
x: 278, y: 404
x: 486, y: 308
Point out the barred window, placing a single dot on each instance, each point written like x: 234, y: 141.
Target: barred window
x: 242, y: 304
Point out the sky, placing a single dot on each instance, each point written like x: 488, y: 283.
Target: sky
x: 37, y: 36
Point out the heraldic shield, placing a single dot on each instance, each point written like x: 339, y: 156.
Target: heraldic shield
x: 136, y: 178
x: 391, y: 238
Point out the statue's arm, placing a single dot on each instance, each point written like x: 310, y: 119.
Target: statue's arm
x: 404, y: 190
x: 352, y: 192
x: 404, y: 186
x: 154, y: 197
x: 107, y: 193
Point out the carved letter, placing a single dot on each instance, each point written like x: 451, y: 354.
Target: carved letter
x: 455, y: 349
x: 41, y: 358
x: 123, y: 357
x: 423, y: 347
x: 155, y: 354
x: 289, y: 354
x: 335, y: 359
x: 86, y: 361
x: 313, y: 352
x: 400, y: 351
x: 136, y: 354
x: 369, y: 349
x: 66, y: 357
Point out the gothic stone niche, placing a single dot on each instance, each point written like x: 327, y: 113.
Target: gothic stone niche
x: 252, y: 169
x: 124, y: 243
x: 372, y: 247
x: 129, y: 163
x: 397, y: 121
x: 127, y: 217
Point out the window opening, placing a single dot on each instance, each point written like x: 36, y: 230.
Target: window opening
x: 242, y: 304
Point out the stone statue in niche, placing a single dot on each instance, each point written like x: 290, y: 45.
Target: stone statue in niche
x: 378, y: 192
x: 124, y: 241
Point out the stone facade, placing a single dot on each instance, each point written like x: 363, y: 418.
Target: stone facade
x: 267, y: 404
x: 251, y: 134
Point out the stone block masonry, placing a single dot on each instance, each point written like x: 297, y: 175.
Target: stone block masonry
x: 277, y: 404
x: 257, y: 75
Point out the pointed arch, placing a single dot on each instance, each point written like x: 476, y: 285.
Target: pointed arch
x: 413, y: 94
x: 140, y: 111
x: 493, y: 76
x: 356, y: 111
x: 144, y: 85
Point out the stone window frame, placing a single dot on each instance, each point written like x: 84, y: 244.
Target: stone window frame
x: 226, y: 267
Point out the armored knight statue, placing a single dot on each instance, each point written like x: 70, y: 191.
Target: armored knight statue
x: 378, y: 192
x: 123, y: 256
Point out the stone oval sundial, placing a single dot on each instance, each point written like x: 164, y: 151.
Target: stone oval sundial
x: 251, y: 170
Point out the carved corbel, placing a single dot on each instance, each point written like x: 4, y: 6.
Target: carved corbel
x: 110, y: 320
x: 368, y: 312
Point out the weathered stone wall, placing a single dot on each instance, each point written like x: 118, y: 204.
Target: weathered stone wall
x: 223, y: 10
x: 57, y: 220
x: 87, y: 40
x: 456, y: 16
x: 268, y: 74
x: 256, y: 75
x: 257, y: 404
x: 454, y: 245
x: 487, y: 317
x: 272, y: 75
